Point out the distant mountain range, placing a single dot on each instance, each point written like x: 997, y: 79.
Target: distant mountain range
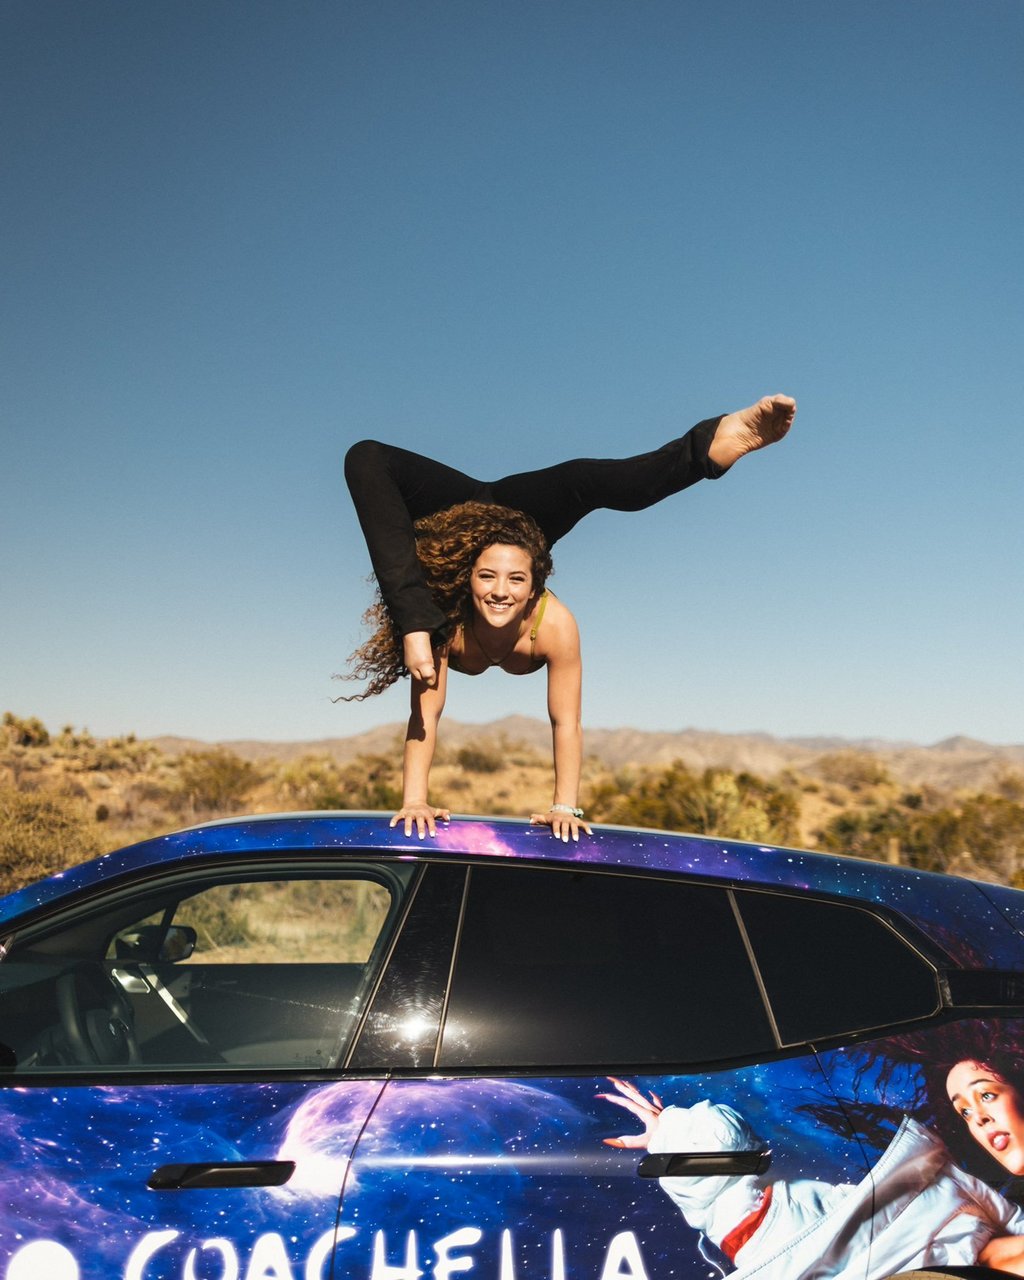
x: 953, y: 764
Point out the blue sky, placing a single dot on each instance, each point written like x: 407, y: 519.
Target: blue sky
x: 238, y: 237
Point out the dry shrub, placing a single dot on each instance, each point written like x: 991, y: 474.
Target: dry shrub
x: 42, y: 832
x: 856, y: 770
x: 480, y: 757
x: 215, y: 781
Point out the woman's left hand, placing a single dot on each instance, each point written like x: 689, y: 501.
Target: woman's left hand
x: 562, y: 824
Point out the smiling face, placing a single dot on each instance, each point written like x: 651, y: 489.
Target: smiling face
x: 991, y: 1108
x: 501, y: 585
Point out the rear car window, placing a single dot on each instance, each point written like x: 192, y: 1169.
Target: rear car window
x: 573, y: 968
x: 832, y: 970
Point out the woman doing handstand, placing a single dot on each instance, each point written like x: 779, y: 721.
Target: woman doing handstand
x: 461, y: 566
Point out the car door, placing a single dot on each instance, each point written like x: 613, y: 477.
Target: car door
x: 171, y: 1107
x: 605, y: 1097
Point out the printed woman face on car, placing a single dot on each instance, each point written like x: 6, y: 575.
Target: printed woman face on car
x: 992, y: 1108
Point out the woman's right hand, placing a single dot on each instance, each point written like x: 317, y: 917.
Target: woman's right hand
x: 418, y: 657
x: 424, y: 815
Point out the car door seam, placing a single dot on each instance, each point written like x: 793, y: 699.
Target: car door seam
x: 452, y: 957
x: 748, y: 946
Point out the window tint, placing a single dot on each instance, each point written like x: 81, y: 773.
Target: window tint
x: 833, y: 970
x: 402, y: 1024
x: 268, y: 972
x: 565, y: 968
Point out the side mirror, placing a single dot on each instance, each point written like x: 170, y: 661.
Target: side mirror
x: 176, y: 943
x: 179, y: 943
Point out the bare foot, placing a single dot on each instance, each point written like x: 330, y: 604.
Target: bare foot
x: 418, y: 656
x: 749, y: 429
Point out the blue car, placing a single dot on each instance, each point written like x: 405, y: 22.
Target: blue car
x: 307, y: 1047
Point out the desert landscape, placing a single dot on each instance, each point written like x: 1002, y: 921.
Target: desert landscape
x: 957, y: 805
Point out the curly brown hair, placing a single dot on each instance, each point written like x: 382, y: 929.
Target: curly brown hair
x: 448, y: 544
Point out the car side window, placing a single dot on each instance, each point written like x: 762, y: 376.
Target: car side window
x: 560, y: 968
x: 830, y: 969
x: 273, y: 921
x: 267, y: 971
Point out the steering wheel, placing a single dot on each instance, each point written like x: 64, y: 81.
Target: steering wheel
x: 96, y: 1017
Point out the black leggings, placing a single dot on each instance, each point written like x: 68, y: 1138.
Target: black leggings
x: 392, y: 488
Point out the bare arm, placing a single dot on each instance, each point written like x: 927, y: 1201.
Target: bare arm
x: 426, y: 705
x: 565, y: 683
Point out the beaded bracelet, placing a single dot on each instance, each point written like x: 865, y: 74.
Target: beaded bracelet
x: 566, y: 808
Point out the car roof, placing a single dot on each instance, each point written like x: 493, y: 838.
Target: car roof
x: 946, y: 907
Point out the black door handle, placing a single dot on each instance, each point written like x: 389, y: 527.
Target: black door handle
x: 230, y: 1173
x: 704, y: 1164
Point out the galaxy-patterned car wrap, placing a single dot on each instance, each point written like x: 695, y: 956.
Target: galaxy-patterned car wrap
x: 524, y: 1176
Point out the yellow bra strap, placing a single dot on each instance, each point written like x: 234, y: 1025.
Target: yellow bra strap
x: 537, y: 621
